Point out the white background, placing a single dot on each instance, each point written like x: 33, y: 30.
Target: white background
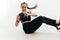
x: 10, y: 8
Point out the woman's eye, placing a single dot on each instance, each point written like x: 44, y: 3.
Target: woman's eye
x: 23, y: 7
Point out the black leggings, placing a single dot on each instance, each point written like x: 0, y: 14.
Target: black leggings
x: 32, y: 26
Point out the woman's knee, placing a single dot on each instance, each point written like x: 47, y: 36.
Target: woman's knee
x: 40, y: 17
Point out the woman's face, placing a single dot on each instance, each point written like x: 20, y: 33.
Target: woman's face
x: 24, y: 7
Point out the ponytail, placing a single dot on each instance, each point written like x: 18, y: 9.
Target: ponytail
x: 32, y: 7
x: 29, y: 8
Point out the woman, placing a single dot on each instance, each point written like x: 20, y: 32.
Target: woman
x: 31, y: 26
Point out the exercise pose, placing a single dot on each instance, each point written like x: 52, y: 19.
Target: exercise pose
x: 31, y: 26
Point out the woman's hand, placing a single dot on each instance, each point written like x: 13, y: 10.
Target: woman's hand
x: 17, y: 20
x: 31, y: 14
x: 16, y: 24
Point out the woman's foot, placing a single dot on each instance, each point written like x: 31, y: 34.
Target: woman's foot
x: 58, y: 25
x: 58, y: 29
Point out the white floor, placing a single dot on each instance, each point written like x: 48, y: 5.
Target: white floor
x: 49, y: 33
x: 34, y: 36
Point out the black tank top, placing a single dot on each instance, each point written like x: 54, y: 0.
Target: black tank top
x: 24, y: 17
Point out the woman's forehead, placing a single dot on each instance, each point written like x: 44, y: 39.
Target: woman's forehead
x: 23, y: 5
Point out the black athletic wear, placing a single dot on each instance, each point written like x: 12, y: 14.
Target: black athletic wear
x: 32, y: 26
x: 24, y: 17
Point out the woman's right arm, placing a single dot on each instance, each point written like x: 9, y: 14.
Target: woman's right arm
x: 17, y: 20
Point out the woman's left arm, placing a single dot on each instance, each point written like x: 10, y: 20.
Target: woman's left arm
x: 31, y: 14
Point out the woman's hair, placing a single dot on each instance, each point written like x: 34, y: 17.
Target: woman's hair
x: 26, y: 4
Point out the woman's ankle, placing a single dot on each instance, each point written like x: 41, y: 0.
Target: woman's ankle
x: 58, y: 22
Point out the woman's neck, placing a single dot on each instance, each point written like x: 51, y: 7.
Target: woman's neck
x: 24, y: 11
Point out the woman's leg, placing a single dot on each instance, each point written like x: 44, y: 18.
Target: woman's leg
x: 42, y: 19
x: 50, y: 21
x: 37, y: 22
x: 33, y: 25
